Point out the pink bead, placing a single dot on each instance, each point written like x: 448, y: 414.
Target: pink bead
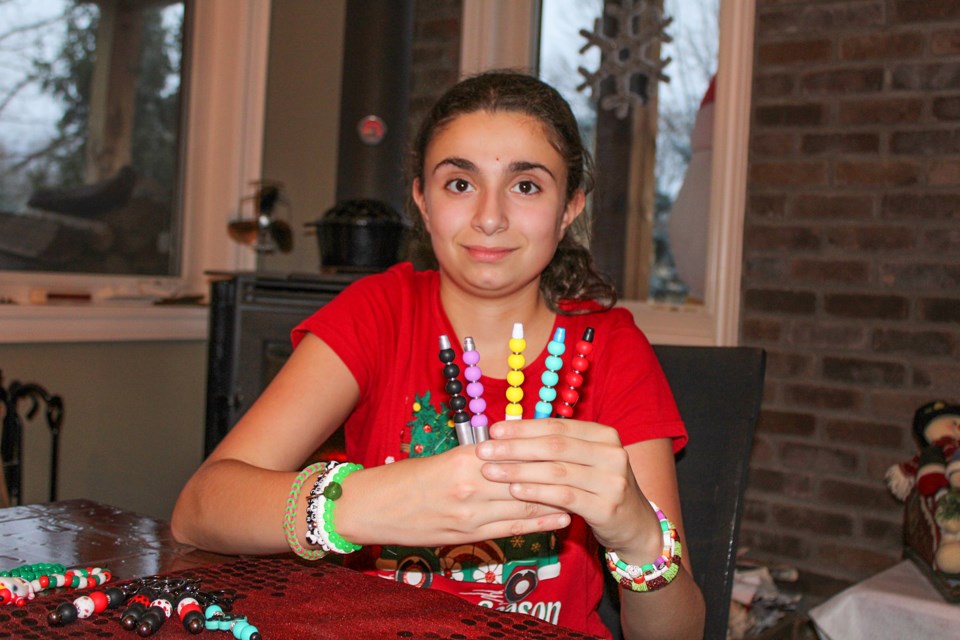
x: 478, y: 405
x: 479, y: 420
x: 472, y: 374
x: 471, y: 357
x: 474, y: 389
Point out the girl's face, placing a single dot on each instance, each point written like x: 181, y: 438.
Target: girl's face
x: 492, y: 199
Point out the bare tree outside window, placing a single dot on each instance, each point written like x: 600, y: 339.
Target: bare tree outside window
x: 90, y: 129
x: 694, y: 34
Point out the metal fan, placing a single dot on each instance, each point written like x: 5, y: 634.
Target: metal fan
x: 265, y: 232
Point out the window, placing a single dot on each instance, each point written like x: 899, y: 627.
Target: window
x: 221, y: 157
x: 666, y: 316
x: 89, y: 142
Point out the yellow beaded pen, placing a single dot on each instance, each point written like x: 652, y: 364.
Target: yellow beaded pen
x: 515, y: 377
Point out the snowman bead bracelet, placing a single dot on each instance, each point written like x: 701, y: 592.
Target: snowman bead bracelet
x: 320, y: 504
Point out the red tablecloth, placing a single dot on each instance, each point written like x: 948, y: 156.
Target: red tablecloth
x: 290, y: 600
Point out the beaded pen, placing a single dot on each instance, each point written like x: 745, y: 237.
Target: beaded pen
x: 478, y: 421
x: 515, y: 376
x: 461, y: 419
x: 550, y: 378
x: 574, y: 378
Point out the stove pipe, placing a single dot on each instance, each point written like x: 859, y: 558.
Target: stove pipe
x: 375, y: 97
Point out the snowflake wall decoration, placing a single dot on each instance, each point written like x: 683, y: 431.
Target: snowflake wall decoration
x: 641, y: 27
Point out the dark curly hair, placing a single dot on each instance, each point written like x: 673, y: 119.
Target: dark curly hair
x: 571, y: 274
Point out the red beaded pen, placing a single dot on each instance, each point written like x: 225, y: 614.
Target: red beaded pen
x: 574, y: 378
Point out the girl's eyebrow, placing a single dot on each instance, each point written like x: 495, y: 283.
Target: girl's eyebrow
x: 522, y: 166
x: 459, y: 163
x: 515, y: 167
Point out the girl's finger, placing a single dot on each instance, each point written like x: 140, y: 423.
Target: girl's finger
x: 588, y: 431
x: 557, y: 448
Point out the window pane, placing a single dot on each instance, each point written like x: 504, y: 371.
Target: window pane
x: 89, y: 136
x: 678, y: 256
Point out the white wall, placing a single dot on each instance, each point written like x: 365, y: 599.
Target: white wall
x: 133, y: 419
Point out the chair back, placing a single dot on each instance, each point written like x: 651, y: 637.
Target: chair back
x: 718, y: 391
x: 11, y: 436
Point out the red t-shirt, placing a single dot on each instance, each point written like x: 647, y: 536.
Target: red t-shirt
x: 385, y: 328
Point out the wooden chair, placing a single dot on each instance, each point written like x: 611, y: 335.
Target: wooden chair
x: 11, y: 438
x: 718, y: 391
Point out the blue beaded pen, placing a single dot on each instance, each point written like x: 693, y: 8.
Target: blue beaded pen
x: 548, y: 393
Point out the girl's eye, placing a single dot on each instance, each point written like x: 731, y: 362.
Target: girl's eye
x: 459, y: 185
x: 526, y: 187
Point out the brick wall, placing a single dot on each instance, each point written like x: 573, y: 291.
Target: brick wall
x: 851, y: 269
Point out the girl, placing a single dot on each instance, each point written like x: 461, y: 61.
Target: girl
x: 499, y: 178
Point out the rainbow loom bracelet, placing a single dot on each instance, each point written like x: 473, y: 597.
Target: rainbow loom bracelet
x: 574, y: 378
x: 290, y: 514
x: 478, y: 421
x: 515, y: 361
x: 461, y: 419
x: 550, y: 378
x: 655, y: 575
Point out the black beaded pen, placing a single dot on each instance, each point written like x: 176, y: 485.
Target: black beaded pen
x: 461, y: 419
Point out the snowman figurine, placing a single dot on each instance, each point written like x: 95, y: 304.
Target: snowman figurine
x: 934, y: 473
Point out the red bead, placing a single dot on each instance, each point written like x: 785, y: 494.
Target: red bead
x: 100, y: 600
x: 579, y: 363
x: 44, y: 581
x: 584, y: 347
x: 570, y: 396
x: 141, y: 598
x: 573, y: 379
x: 564, y: 410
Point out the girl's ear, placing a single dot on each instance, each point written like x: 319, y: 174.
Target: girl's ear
x: 416, y: 191
x: 573, y: 210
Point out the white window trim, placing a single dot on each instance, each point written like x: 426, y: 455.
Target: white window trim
x: 716, y: 322
x: 223, y: 156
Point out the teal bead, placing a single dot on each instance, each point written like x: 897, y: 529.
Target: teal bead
x: 556, y: 348
x: 548, y: 394
x: 238, y: 627
x: 549, y: 378
x: 553, y: 363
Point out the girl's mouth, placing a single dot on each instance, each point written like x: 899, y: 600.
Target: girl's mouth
x: 487, y: 254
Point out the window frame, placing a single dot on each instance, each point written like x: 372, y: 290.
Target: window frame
x: 222, y: 153
x: 716, y: 322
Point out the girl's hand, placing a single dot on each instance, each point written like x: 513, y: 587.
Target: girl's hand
x: 576, y: 466
x: 437, y: 500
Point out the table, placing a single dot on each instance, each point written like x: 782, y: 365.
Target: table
x: 896, y: 603
x: 283, y: 596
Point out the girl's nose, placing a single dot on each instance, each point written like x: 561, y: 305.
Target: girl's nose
x: 489, y: 217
